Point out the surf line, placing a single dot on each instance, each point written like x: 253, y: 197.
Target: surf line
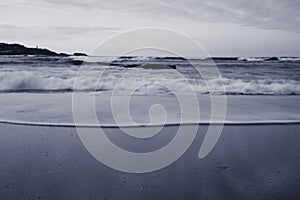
x: 69, y: 125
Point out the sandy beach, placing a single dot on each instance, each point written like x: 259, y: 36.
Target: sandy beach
x: 248, y: 162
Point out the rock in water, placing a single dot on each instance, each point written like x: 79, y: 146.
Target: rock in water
x: 272, y: 59
x: 79, y: 54
x: 157, y: 66
x: 77, y: 62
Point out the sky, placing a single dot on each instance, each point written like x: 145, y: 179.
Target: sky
x: 223, y: 28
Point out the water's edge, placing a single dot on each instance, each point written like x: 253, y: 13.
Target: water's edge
x: 67, y: 125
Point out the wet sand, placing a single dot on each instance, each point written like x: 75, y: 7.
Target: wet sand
x: 248, y: 162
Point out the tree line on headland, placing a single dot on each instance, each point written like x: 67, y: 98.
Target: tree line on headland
x: 18, y: 49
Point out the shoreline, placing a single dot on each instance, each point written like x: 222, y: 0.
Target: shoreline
x: 226, y: 123
x: 57, y: 110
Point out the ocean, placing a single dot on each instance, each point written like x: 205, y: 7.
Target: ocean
x: 240, y: 76
x: 39, y: 89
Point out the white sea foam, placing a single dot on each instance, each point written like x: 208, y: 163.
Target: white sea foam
x: 20, y: 81
x: 290, y: 59
x: 251, y: 59
x: 56, y: 109
x: 152, y: 83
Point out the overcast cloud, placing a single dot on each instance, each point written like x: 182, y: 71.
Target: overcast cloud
x: 253, y: 20
x: 275, y: 14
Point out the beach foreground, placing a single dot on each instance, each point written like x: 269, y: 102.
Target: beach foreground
x: 248, y: 162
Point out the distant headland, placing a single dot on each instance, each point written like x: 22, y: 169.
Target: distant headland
x: 18, y: 49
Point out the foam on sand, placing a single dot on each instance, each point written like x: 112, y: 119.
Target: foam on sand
x: 56, y: 110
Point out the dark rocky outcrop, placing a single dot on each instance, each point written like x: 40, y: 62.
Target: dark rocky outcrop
x: 79, y: 54
x: 64, y: 54
x: 145, y: 65
x: 77, y: 62
x: 17, y: 49
x: 272, y: 59
x: 224, y: 58
x: 157, y: 66
x: 171, y: 58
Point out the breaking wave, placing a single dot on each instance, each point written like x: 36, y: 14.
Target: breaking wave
x: 152, y: 85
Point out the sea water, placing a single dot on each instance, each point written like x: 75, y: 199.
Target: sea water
x: 40, y: 88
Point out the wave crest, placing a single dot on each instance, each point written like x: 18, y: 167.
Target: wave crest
x: 30, y: 81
